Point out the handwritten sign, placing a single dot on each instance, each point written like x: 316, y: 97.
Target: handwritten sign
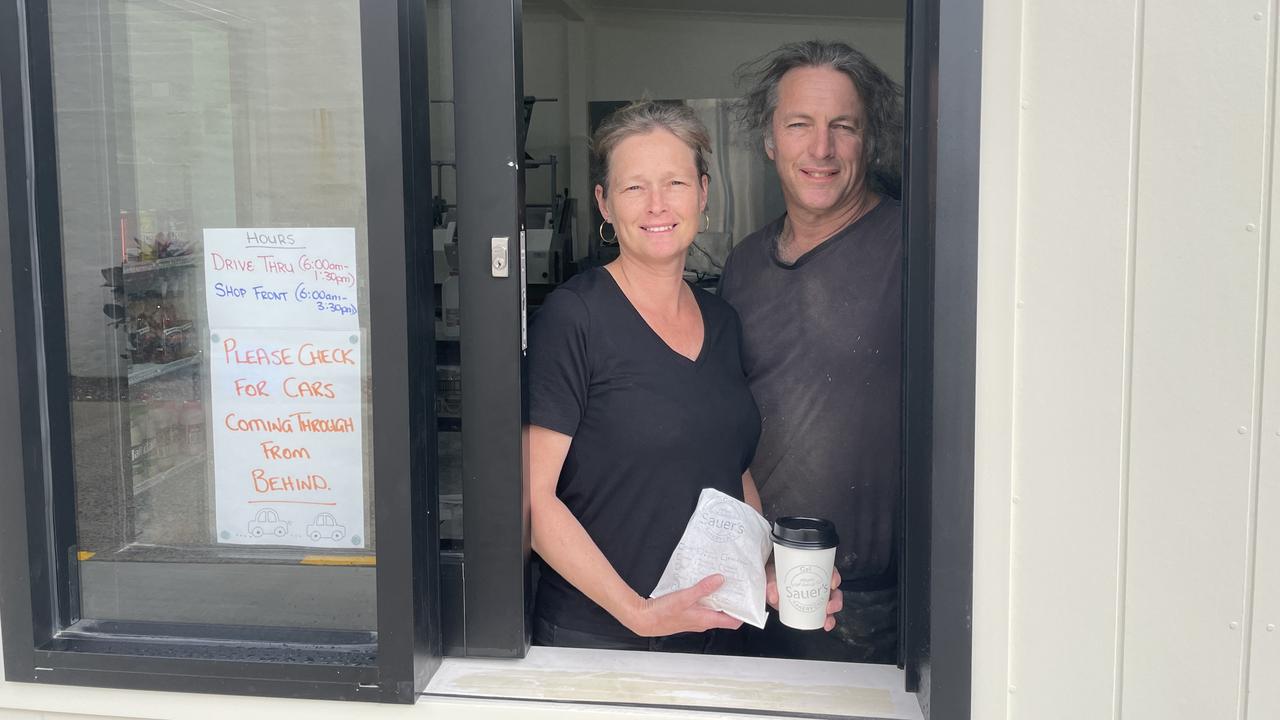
x: 287, y: 394
x: 281, y: 277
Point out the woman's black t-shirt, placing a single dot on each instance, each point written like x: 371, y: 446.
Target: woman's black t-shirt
x: 651, y: 428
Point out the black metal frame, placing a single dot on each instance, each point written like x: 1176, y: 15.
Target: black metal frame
x: 37, y: 511
x: 488, y: 70
x: 944, y: 104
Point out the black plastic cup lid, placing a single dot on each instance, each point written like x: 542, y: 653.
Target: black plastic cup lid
x: 805, y: 533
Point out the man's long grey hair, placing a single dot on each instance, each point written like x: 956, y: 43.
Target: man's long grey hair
x: 881, y: 99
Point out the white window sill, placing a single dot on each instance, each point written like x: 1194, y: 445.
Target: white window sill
x: 680, y: 682
x: 550, y: 684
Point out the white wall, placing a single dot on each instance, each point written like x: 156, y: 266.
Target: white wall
x: 1127, y: 543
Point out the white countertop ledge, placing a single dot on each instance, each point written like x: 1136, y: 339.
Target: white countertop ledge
x: 673, y: 680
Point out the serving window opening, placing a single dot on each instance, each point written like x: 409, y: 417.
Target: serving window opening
x: 581, y: 62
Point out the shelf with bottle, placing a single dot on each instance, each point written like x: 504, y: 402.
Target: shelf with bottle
x: 157, y: 318
x: 134, y: 266
x: 143, y: 372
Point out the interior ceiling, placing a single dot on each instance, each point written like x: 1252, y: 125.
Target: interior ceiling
x: 896, y: 9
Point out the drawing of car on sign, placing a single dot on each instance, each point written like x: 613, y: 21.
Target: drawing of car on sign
x: 268, y: 522
x: 326, y: 526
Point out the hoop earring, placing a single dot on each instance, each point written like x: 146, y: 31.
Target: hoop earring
x: 610, y: 240
x: 707, y: 225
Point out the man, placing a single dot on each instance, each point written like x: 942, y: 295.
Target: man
x: 819, y: 291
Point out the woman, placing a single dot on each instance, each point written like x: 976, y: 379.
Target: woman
x: 637, y: 402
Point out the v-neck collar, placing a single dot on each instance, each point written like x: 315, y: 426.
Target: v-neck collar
x: 702, y: 313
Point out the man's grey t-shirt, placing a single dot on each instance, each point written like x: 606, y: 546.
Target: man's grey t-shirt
x: 822, y: 349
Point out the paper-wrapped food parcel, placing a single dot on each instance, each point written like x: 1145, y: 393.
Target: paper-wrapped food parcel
x: 728, y: 537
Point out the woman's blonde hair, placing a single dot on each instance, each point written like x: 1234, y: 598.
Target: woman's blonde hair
x: 645, y: 116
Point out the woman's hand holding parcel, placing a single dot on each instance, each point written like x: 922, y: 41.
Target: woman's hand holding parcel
x: 835, y: 601
x: 561, y: 541
x: 680, y: 612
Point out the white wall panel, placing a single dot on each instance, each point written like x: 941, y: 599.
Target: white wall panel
x: 1263, y: 700
x: 1073, y: 255
x: 1141, y: 425
x: 993, y: 420
x: 1201, y: 167
x: 1264, y: 658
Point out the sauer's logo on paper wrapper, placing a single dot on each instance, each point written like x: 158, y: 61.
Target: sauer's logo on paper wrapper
x: 722, y: 520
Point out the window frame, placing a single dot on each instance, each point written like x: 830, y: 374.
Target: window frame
x: 37, y: 498
x: 940, y: 198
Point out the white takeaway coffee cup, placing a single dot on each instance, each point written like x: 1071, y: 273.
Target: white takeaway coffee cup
x: 804, y: 552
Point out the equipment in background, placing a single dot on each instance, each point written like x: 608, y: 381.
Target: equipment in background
x: 549, y: 240
x: 548, y: 226
x: 549, y: 229
x: 444, y: 243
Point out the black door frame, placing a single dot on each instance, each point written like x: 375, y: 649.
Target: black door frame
x: 37, y: 511
x: 941, y: 206
x: 488, y: 89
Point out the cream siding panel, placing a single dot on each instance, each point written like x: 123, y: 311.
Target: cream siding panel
x: 993, y: 421
x: 1072, y: 260
x: 1201, y: 168
x: 1194, y: 557
x: 1264, y: 659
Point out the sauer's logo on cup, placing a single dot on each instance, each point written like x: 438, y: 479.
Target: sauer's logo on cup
x: 806, y: 588
x: 722, y: 521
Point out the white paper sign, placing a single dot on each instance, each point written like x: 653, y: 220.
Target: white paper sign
x: 281, y: 277
x: 287, y: 393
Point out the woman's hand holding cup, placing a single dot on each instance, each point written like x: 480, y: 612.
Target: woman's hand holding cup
x: 804, y: 552
x: 680, y: 612
x: 835, y: 603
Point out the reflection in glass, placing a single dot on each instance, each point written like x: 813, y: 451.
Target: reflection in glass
x: 174, y: 119
x: 448, y: 327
